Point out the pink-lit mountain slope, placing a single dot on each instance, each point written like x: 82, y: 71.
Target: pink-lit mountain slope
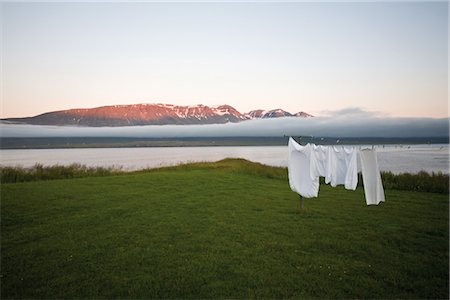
x: 150, y: 114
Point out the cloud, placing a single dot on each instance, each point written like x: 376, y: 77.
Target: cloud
x: 352, y: 112
x: 368, y: 126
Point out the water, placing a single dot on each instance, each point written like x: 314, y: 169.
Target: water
x: 430, y: 158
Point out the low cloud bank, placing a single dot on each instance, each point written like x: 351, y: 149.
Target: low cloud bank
x: 352, y: 112
x: 361, y: 125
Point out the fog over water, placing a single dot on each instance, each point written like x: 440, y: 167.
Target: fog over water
x: 355, y: 124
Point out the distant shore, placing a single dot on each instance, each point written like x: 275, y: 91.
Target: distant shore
x: 126, y: 142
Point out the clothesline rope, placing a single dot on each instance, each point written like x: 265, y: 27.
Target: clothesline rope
x: 358, y: 141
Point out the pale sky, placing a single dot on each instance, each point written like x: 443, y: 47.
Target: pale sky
x: 386, y: 57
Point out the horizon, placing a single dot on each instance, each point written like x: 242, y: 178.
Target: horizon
x: 389, y: 57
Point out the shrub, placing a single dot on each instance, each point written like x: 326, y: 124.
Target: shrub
x: 39, y: 172
x: 423, y: 182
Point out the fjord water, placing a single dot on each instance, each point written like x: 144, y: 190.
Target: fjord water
x: 394, y: 158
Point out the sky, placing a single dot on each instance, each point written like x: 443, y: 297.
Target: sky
x: 384, y: 57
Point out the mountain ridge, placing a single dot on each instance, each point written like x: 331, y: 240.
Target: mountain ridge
x: 150, y: 114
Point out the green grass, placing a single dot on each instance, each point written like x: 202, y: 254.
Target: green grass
x: 230, y: 229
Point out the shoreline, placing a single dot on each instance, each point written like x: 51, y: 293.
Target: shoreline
x: 122, y: 169
x: 420, y: 182
x: 137, y: 142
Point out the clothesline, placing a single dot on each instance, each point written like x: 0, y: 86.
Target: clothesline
x: 357, y: 141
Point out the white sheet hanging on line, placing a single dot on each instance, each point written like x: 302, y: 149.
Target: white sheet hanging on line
x: 342, y: 167
x: 319, y: 161
x: 373, y: 186
x: 299, y: 170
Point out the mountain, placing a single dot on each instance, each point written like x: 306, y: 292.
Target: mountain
x: 150, y: 114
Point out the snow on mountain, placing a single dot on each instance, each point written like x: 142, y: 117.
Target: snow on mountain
x: 256, y: 114
x: 275, y: 113
x: 302, y: 114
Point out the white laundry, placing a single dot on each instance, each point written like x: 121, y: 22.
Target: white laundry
x: 299, y: 170
x: 373, y: 186
x: 342, y: 167
x: 338, y: 165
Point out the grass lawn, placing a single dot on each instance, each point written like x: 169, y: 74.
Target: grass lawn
x: 230, y: 229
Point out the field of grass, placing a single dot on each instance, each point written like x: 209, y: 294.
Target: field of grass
x: 230, y: 229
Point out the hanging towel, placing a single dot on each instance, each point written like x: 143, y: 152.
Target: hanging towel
x: 373, y: 186
x: 351, y: 158
x: 319, y: 156
x: 342, y: 167
x: 299, y: 170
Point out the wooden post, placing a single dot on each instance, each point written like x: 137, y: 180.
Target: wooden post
x: 301, y: 202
